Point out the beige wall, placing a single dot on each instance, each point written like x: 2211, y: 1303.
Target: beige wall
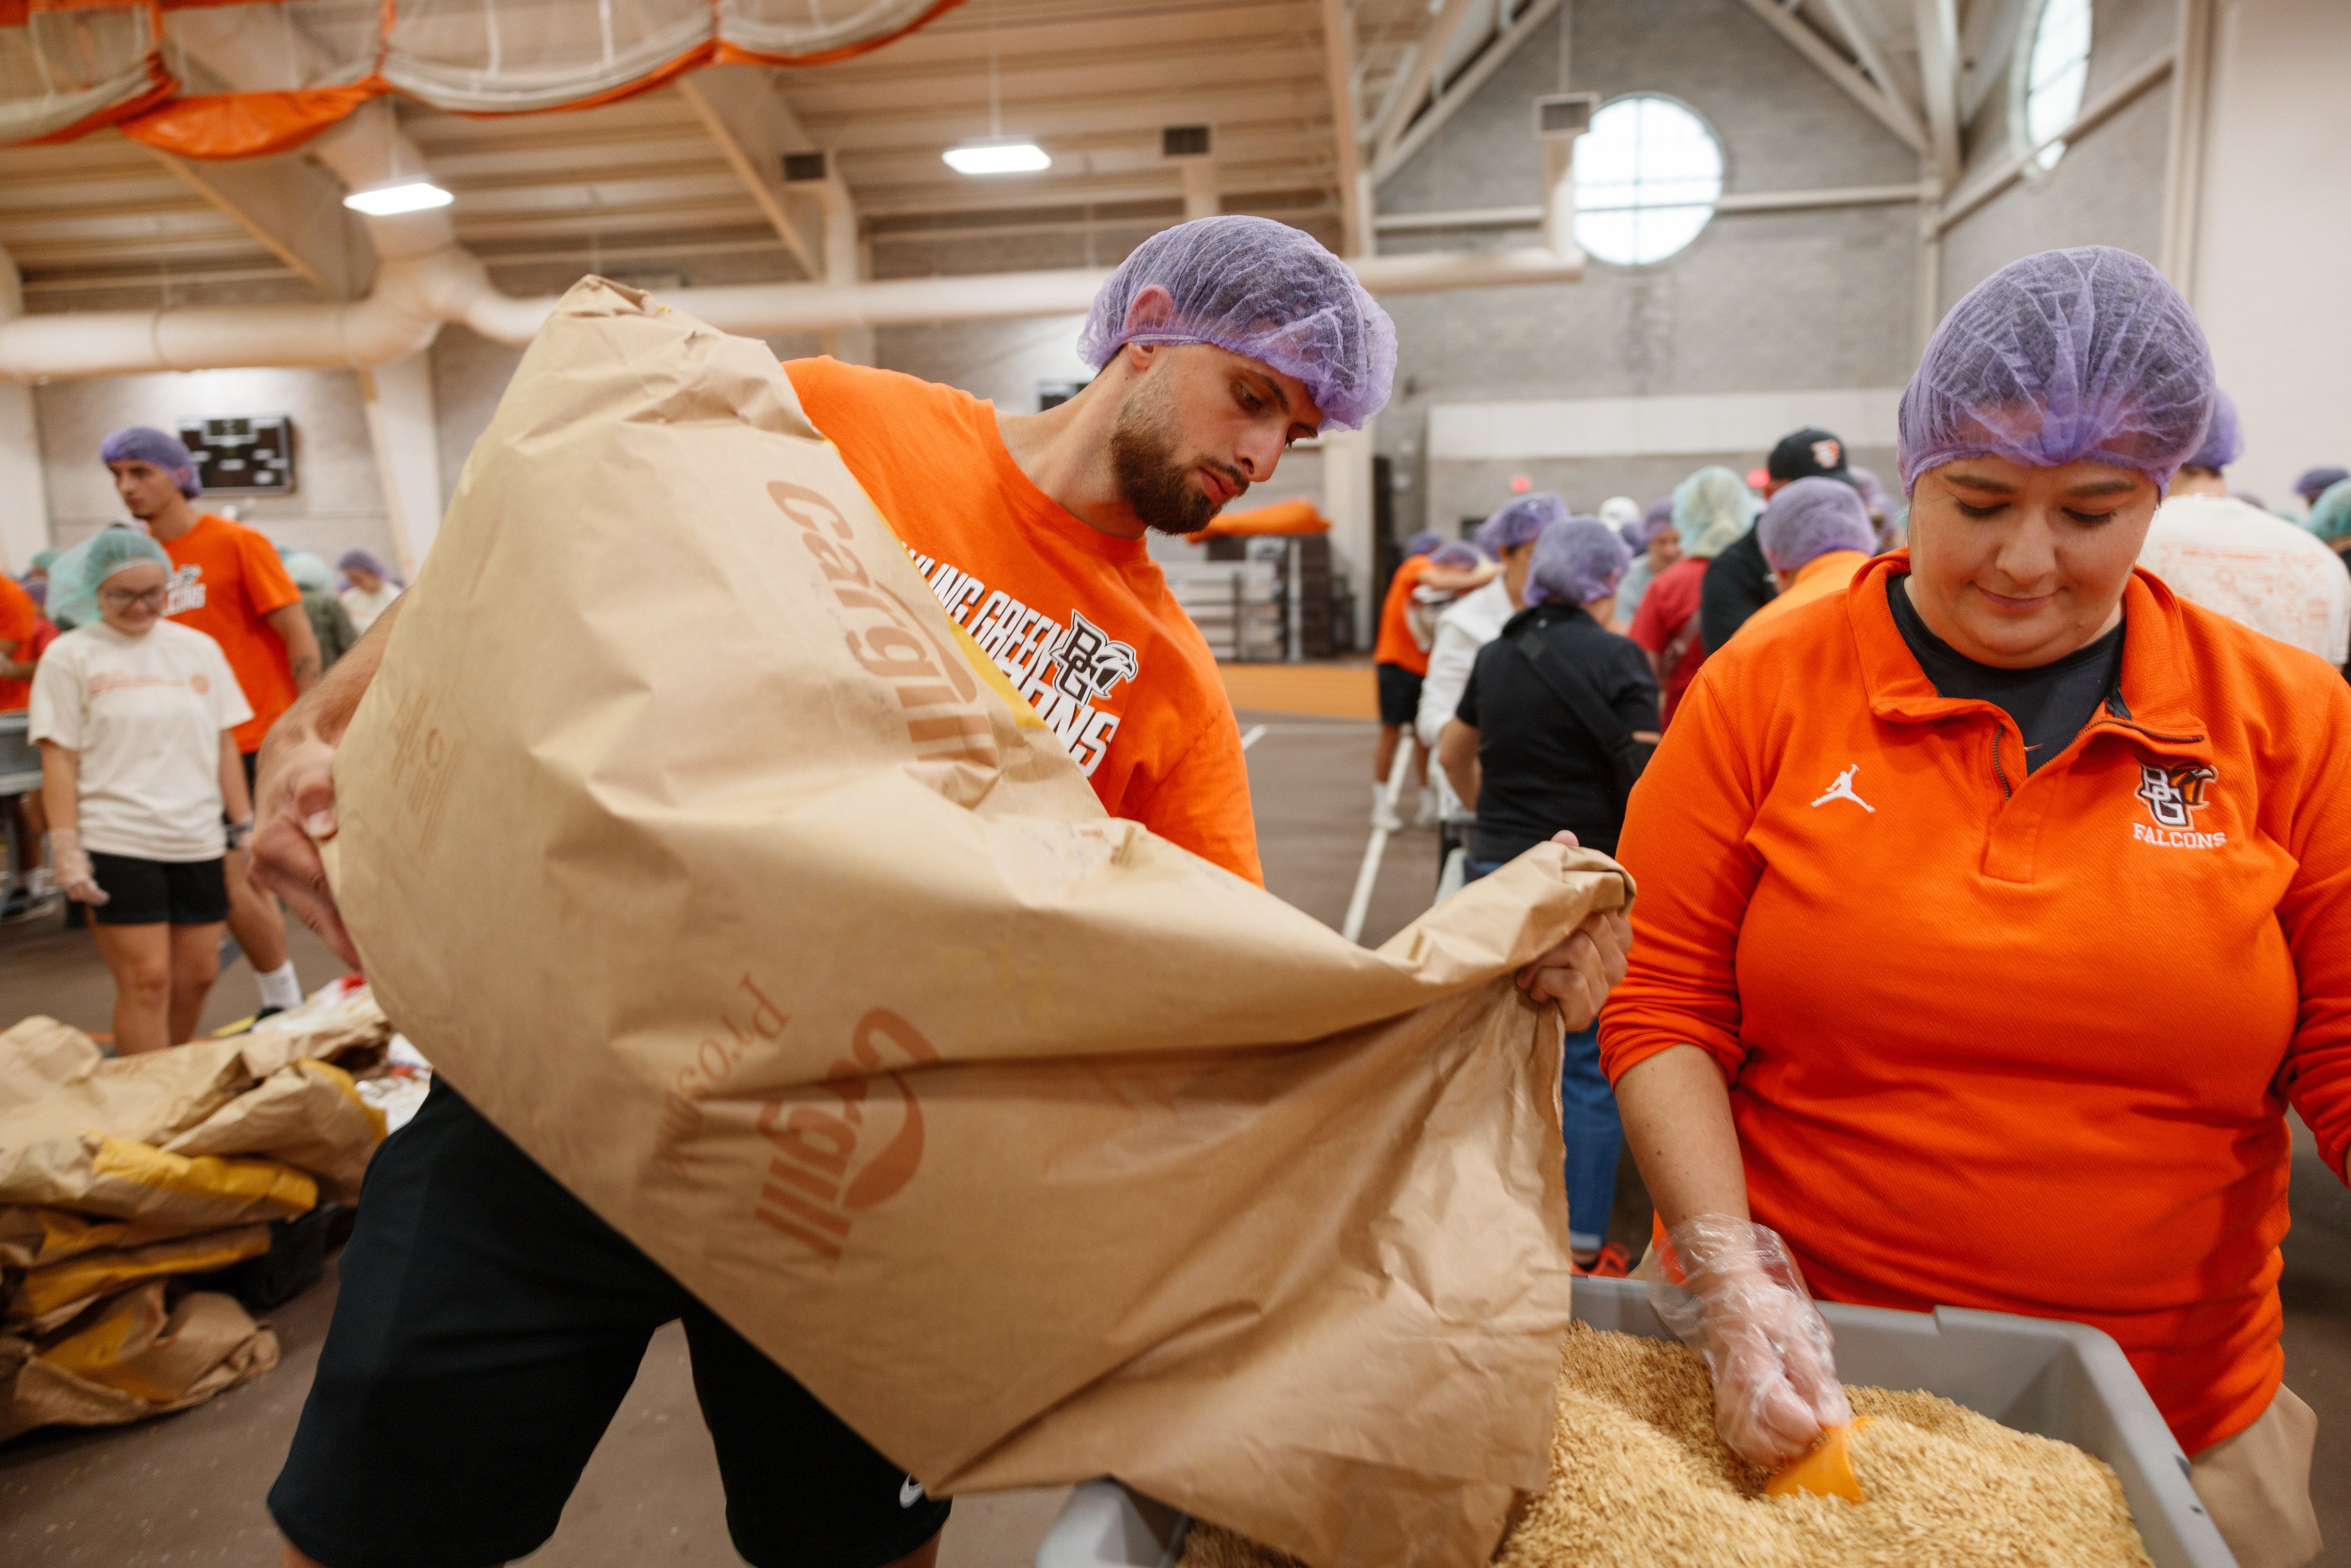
x: 2273, y: 272
x: 338, y: 502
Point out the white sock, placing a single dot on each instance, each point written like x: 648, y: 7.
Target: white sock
x: 279, y: 989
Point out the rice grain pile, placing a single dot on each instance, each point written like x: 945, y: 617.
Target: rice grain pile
x: 1639, y: 1480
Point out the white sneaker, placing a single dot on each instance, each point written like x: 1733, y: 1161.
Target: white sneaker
x: 1430, y: 810
x: 1383, y: 811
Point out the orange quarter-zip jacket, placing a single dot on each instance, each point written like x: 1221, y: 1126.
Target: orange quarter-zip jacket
x: 2021, y: 1043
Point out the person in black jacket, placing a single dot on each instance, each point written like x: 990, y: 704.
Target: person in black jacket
x: 1526, y: 752
x: 1740, y: 581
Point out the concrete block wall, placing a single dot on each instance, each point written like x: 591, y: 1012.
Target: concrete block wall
x: 338, y: 502
x: 1759, y: 302
x: 2107, y: 188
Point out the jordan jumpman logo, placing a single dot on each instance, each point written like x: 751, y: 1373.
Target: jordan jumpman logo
x: 1843, y: 791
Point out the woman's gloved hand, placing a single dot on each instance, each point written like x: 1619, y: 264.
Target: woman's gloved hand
x: 70, y: 864
x: 1729, y: 1288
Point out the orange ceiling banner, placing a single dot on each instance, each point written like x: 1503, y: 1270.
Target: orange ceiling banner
x: 71, y: 67
x: 223, y: 125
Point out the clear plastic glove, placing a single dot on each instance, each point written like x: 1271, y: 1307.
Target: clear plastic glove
x: 1729, y: 1288
x: 71, y: 863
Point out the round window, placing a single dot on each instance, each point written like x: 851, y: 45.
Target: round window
x: 2056, y: 67
x: 1647, y: 176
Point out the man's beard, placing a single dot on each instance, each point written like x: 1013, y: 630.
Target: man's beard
x: 1150, y: 478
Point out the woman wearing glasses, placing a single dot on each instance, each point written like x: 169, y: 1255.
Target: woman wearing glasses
x: 136, y: 716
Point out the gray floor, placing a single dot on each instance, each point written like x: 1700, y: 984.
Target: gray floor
x: 188, y: 1489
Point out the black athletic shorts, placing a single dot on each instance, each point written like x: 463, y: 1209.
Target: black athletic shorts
x: 488, y: 1326
x: 158, y: 893
x: 1399, y: 695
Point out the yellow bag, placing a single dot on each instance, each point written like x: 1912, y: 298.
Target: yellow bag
x: 94, y: 1273
x: 133, y: 1357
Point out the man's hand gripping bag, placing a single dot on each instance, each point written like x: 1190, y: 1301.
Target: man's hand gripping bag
x: 687, y: 835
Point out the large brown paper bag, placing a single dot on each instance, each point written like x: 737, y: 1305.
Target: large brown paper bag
x: 680, y: 834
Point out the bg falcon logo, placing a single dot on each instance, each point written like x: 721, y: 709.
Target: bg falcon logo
x: 2173, y: 795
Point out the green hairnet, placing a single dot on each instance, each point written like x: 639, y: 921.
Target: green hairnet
x: 2330, y: 515
x: 310, y: 574
x: 75, y: 575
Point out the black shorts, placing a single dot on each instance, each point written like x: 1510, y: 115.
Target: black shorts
x: 158, y: 893
x: 1399, y: 695
x: 488, y: 1327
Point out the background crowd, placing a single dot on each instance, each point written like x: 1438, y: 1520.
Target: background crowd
x: 153, y: 657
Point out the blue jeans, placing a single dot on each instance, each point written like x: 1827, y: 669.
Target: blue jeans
x: 1588, y: 1119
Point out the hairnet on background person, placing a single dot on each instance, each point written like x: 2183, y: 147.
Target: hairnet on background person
x: 148, y: 445
x: 1263, y: 290
x: 2330, y: 515
x: 1459, y: 555
x: 1617, y: 511
x: 77, y: 571
x: 1711, y: 508
x: 38, y: 590
x: 365, y: 560
x: 1811, y: 518
x: 310, y: 573
x: 2316, y: 482
x: 1520, y: 522
x: 114, y: 550
x: 2224, y: 438
x: 1576, y: 562
x: 2070, y: 355
x: 1421, y: 543
x: 1870, y: 486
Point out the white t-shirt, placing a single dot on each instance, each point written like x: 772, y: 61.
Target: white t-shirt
x: 146, y: 714
x: 2217, y: 551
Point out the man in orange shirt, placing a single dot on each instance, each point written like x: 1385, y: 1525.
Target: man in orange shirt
x: 489, y: 1323
x: 228, y: 582
x: 1401, y: 664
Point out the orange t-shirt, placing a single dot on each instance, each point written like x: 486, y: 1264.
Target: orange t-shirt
x: 1080, y: 621
x: 1395, y: 643
x: 2025, y: 1046
x: 20, y: 623
x: 225, y: 579
x: 1823, y: 576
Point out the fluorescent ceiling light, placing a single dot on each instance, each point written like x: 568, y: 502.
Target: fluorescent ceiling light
x: 997, y: 155
x: 390, y: 200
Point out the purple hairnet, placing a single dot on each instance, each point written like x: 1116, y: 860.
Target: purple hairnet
x: 1520, y: 522
x: 1576, y: 562
x: 1460, y: 555
x: 1871, y: 487
x: 148, y: 445
x: 38, y: 590
x: 1809, y: 519
x: 2070, y: 355
x: 1263, y: 290
x: 365, y: 560
x: 2316, y: 482
x: 2224, y: 438
x: 1420, y: 543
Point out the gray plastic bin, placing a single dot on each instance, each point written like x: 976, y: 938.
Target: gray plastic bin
x: 2058, y: 1379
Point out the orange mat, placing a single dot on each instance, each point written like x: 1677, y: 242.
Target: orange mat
x: 1328, y: 690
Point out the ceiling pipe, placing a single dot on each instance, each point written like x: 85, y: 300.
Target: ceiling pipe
x: 415, y: 296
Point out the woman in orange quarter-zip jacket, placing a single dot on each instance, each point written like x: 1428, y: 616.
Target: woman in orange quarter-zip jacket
x: 1993, y: 911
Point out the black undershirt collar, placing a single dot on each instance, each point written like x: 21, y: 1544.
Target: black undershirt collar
x: 2050, y: 703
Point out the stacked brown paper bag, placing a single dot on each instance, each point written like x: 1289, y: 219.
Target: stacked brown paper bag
x: 688, y: 837
x: 119, y: 1176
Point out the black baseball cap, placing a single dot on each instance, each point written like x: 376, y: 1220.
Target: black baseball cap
x: 1809, y: 454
